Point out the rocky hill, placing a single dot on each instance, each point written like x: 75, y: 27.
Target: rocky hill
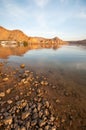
x: 19, y: 36
x: 80, y: 42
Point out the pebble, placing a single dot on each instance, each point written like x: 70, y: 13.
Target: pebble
x: 9, y: 101
x: 25, y: 115
x: 8, y: 120
x: 34, y: 122
x: 29, y: 112
x: 2, y: 94
x: 8, y: 91
x: 57, y: 101
x: 22, y: 65
x: 5, y: 79
x: 23, y: 128
x: 42, y: 123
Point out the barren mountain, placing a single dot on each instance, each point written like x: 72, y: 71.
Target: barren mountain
x: 12, y: 35
x: 19, y: 36
x: 80, y: 42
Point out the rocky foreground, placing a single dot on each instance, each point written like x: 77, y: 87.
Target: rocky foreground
x: 24, y: 102
x: 28, y: 109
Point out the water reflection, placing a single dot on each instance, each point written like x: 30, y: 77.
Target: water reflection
x: 7, y: 51
x: 67, y: 61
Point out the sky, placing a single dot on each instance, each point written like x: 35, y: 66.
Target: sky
x: 65, y: 19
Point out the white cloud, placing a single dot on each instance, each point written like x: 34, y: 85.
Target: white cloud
x: 82, y: 15
x: 41, y: 3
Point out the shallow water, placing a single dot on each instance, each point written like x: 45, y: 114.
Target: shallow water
x: 68, y: 62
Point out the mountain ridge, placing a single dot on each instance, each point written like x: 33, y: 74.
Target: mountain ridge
x: 19, y: 36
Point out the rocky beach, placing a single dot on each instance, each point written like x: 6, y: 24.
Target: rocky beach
x: 29, y: 101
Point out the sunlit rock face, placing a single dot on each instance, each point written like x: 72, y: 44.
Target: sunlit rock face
x: 19, y: 37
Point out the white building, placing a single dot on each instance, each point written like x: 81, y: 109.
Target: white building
x: 8, y: 43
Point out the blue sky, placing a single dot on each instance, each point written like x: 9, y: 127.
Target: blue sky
x: 47, y: 18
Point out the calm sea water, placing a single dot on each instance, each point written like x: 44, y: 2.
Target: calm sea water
x: 68, y: 61
x: 65, y: 57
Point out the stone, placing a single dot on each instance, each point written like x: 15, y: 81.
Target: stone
x: 22, y: 65
x: 9, y: 101
x: 35, y: 116
x: 53, y: 128
x: 17, y: 98
x: 47, y: 127
x: 39, y: 106
x: 44, y: 83
x: 8, y: 91
x: 23, y: 128
x: 54, y: 87
x: 5, y: 79
x: 25, y: 115
x: 8, y: 120
x: 47, y: 104
x: 35, y: 110
x: 28, y: 125
x: 34, y: 122
x: 57, y: 101
x: 52, y: 118
x: 46, y: 112
x: 42, y: 123
x: 40, y: 113
x: 21, y: 104
x: 2, y: 94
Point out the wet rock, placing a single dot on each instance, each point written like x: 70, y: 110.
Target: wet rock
x: 17, y: 98
x: 47, y: 127
x: 22, y: 65
x: 28, y: 125
x: 52, y: 118
x: 8, y: 120
x: 34, y: 122
x: 2, y: 94
x: 21, y: 104
x: 47, y: 104
x: 35, y: 116
x: 44, y: 83
x: 38, y: 91
x: 9, y: 101
x: 42, y: 123
x: 40, y: 113
x: 23, y: 128
x: 8, y: 91
x: 57, y: 101
x: 46, y: 112
x: 53, y: 128
x: 35, y: 110
x: 54, y: 87
x: 25, y: 115
x: 39, y: 106
x: 5, y: 79
x: 66, y: 94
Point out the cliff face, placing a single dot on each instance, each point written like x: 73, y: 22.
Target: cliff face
x: 19, y: 36
x: 12, y: 35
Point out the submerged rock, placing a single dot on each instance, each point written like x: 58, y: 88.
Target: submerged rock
x: 8, y: 120
x: 5, y: 79
x: 22, y: 65
x: 25, y: 115
x: 2, y: 94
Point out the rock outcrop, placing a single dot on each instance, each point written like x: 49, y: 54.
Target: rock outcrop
x: 19, y: 36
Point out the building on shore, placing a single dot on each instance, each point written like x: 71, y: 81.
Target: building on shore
x: 5, y: 43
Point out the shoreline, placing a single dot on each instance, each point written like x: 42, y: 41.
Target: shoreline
x: 23, y: 86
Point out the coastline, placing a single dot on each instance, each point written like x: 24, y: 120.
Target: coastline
x: 66, y: 104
